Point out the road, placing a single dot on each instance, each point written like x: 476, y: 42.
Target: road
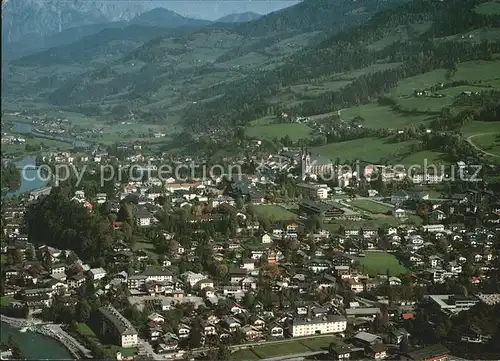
x: 469, y: 139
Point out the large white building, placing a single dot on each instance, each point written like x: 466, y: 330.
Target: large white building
x: 307, y: 327
x: 116, y: 325
x: 314, y: 191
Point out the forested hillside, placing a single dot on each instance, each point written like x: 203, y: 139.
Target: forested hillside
x: 248, y: 98
x: 217, y: 52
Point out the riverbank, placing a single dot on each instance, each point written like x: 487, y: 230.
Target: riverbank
x: 53, y: 331
x: 34, y: 345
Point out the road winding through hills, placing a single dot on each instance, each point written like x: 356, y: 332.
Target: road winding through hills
x: 469, y: 140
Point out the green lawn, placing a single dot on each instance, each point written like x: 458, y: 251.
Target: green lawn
x: 287, y: 347
x: 281, y: 349
x: 274, y: 213
x: 295, y: 131
x: 370, y: 206
x: 375, y: 263
x: 367, y: 149
x: 244, y: 355
x: 377, y: 116
x: 318, y: 343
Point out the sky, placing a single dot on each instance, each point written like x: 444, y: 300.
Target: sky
x: 215, y: 9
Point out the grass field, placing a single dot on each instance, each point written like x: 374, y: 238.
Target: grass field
x: 274, y: 213
x: 269, y: 119
x: 5, y: 300
x: 488, y: 142
x: 370, y: 206
x: 376, y: 263
x: 420, y: 158
x: 488, y: 8
x: 377, y: 116
x: 284, y: 348
x: 368, y: 149
x: 295, y: 131
x: 472, y: 71
x: 48, y: 144
x: 478, y: 127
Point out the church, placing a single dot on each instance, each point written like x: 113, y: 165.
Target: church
x: 315, y: 166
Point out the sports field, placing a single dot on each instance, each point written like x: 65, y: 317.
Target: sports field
x: 376, y: 263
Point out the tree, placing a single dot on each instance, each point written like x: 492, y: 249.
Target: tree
x: 16, y: 351
x: 195, y: 336
x: 83, y: 311
x: 404, y: 346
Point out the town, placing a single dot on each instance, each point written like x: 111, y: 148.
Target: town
x: 296, y: 257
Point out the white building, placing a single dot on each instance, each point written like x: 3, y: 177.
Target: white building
x: 115, y: 324
x: 453, y: 303
x: 97, y: 274
x: 308, y: 327
x: 193, y: 278
x: 314, y: 191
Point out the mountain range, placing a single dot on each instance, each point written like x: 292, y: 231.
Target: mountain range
x: 239, y: 18
x: 228, y: 71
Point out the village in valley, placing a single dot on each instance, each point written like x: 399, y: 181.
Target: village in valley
x: 321, y: 182
x: 290, y: 255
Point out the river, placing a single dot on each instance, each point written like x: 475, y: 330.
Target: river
x: 35, y: 346
x: 30, y: 178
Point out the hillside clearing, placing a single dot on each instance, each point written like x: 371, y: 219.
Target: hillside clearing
x: 295, y: 131
x: 368, y: 149
x: 377, y: 116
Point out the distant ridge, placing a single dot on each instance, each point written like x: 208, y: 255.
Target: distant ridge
x: 239, y: 18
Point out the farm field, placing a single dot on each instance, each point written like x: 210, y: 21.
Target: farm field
x: 488, y: 142
x: 425, y: 104
x: 367, y: 149
x: 48, y: 144
x: 376, y: 263
x: 370, y: 206
x: 472, y: 71
x: 275, y: 213
x: 419, y: 158
x: 377, y: 116
x: 295, y: 131
x: 478, y: 127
